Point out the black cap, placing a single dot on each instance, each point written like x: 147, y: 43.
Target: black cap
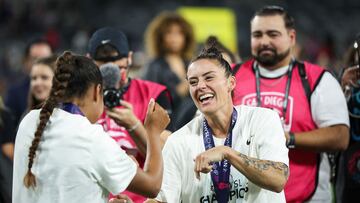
x: 107, y: 35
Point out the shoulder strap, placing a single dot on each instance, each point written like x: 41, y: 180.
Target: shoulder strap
x: 236, y: 68
x: 304, y: 79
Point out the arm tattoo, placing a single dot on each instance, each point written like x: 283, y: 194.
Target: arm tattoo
x: 263, y: 165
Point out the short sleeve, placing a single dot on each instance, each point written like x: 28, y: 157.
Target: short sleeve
x: 171, y: 185
x: 328, y: 103
x: 270, y: 136
x: 114, y: 168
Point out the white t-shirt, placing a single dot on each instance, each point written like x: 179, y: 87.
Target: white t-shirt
x: 261, y: 127
x: 328, y: 107
x: 76, y: 161
x: 328, y: 104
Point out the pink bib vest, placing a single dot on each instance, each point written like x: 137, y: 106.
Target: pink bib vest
x: 303, y: 164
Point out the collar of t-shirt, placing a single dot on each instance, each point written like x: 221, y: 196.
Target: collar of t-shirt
x: 273, y: 73
x: 219, y: 141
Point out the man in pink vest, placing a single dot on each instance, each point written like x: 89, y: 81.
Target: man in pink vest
x: 124, y: 122
x: 308, y: 99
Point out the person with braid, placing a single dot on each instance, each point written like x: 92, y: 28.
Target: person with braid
x: 109, y: 45
x: 228, y: 153
x: 61, y: 155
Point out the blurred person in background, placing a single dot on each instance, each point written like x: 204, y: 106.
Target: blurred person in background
x: 124, y: 123
x: 16, y: 95
x: 348, y: 170
x: 41, y: 75
x: 170, y: 42
x: 16, y: 102
x: 7, y: 140
x: 308, y: 99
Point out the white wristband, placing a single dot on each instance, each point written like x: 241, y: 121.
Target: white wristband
x: 133, y: 127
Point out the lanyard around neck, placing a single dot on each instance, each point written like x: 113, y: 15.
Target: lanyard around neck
x: 287, y: 88
x: 71, y: 108
x: 221, y: 171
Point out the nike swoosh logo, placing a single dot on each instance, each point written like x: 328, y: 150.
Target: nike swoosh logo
x: 249, y: 140
x: 105, y: 41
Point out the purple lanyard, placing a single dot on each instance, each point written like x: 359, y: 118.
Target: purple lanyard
x: 71, y: 108
x: 221, y: 171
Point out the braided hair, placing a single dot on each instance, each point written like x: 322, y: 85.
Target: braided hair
x: 210, y: 51
x: 74, y: 74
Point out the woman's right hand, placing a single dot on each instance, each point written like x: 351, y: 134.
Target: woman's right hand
x: 204, y: 160
x: 156, y: 118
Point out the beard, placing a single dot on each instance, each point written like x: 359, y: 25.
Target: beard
x: 268, y: 60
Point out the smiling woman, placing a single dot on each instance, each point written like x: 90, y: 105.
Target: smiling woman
x: 41, y: 75
x: 222, y: 154
x: 210, y: 87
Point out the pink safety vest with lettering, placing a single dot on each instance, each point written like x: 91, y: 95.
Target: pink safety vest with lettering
x: 303, y: 164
